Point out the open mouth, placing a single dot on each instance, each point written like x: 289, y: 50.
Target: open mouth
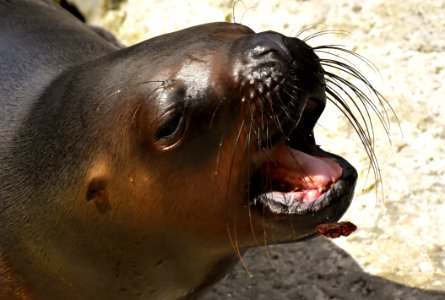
x: 297, y: 177
x: 294, y: 177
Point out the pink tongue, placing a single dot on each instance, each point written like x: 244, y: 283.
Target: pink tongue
x: 310, y: 176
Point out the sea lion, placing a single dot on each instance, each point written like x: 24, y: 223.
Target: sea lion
x: 145, y: 172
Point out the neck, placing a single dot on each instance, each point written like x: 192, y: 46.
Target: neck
x: 48, y: 274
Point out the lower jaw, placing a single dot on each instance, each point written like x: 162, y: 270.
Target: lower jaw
x: 329, y: 207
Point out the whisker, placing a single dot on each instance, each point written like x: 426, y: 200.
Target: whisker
x: 337, y: 100
x: 325, y: 32
x: 349, y: 68
x: 237, y: 251
x: 238, y: 137
x: 368, y: 129
x: 340, y: 48
x: 214, y: 113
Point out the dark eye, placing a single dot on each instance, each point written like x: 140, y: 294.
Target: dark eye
x: 172, y: 124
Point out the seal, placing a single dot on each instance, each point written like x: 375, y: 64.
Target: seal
x: 146, y: 172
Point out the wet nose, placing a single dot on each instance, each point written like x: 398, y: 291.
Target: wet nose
x: 266, y: 42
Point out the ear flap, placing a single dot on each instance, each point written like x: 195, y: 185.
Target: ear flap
x: 97, y: 193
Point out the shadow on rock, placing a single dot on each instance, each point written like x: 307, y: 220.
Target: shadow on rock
x: 314, y: 269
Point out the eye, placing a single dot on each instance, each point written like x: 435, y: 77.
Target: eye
x: 172, y: 124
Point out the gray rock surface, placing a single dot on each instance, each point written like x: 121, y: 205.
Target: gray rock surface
x: 313, y: 270
x: 400, y: 236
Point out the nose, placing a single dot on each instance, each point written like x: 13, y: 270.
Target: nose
x: 266, y: 42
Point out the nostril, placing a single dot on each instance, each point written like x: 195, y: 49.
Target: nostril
x: 269, y: 41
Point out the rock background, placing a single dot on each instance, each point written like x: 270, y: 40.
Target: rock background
x: 400, y: 236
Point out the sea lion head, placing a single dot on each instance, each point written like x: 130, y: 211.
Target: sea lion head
x: 219, y: 140
x: 173, y: 156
